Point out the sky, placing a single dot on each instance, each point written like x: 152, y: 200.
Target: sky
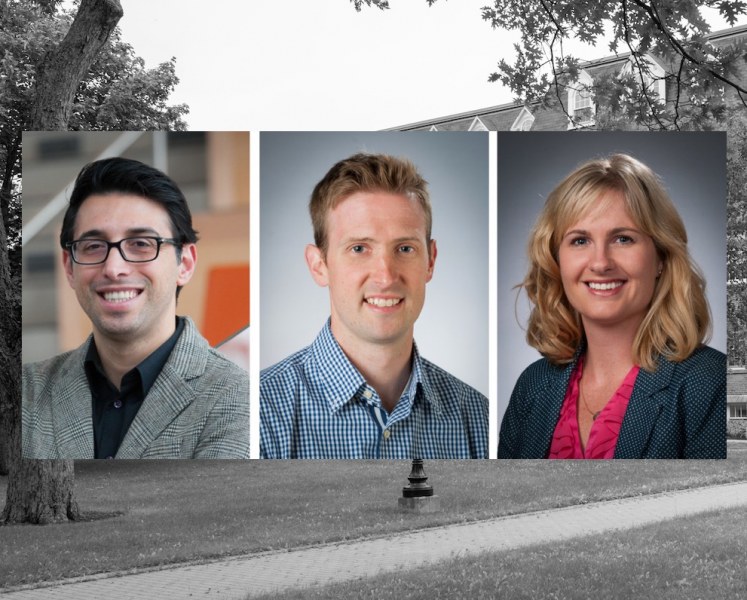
x: 299, y: 65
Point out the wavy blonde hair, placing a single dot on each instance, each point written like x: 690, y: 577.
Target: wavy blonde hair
x: 678, y: 319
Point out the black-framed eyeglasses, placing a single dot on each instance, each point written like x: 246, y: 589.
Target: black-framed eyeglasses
x: 141, y: 249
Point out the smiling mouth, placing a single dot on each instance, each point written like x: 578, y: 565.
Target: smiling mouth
x: 608, y: 285
x: 384, y: 302
x: 120, y: 296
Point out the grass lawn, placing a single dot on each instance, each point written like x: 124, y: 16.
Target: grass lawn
x: 700, y: 557
x: 174, y: 511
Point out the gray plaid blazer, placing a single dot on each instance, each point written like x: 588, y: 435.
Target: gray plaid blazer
x: 198, y: 407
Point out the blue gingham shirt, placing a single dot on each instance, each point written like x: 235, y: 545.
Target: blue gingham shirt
x: 316, y: 404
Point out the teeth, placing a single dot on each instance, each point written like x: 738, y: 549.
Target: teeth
x: 120, y: 296
x: 605, y: 286
x: 383, y: 301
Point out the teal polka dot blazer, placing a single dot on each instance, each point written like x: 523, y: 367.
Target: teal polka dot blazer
x: 677, y: 411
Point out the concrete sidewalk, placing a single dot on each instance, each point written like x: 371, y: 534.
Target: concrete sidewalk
x: 268, y: 572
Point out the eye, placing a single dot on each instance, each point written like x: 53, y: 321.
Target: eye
x: 140, y: 242
x: 358, y: 249
x: 142, y: 245
x: 91, y: 246
x: 579, y: 241
x: 624, y: 239
x: 406, y: 249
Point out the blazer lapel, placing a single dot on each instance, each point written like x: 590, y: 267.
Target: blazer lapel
x: 170, y: 393
x: 545, y: 413
x: 72, y: 410
x: 643, y: 410
x: 165, y: 401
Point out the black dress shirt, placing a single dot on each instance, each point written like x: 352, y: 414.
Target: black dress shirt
x: 114, y: 409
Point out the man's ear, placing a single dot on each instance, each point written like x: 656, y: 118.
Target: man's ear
x: 187, y: 264
x: 431, y: 259
x: 67, y: 264
x: 317, y: 265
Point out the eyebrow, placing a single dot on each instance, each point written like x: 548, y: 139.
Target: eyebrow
x: 614, y: 231
x: 368, y: 240
x: 134, y: 231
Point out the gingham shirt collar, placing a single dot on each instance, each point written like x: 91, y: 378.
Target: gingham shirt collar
x: 342, y: 382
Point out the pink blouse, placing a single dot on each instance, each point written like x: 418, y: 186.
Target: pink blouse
x: 566, y: 441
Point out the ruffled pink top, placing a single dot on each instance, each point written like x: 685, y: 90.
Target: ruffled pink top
x: 566, y: 441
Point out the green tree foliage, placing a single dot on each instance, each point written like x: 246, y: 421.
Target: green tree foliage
x: 382, y: 4
x: 736, y: 239
x: 119, y: 92
x: 673, y: 31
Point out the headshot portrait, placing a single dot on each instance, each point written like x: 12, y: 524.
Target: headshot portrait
x: 374, y: 295
x: 612, y: 295
x: 131, y: 241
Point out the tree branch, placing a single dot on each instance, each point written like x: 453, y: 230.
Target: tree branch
x: 642, y: 79
x: 680, y: 49
x: 559, y: 32
x: 679, y: 93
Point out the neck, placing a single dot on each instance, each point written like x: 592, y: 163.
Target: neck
x: 121, y: 355
x: 386, y: 367
x: 608, y: 352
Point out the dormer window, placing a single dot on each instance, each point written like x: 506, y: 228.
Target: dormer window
x: 524, y: 121
x: 581, y: 107
x: 649, y: 73
x: 477, y: 125
x: 581, y: 100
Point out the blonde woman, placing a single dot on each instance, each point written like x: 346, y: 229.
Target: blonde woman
x: 620, y: 315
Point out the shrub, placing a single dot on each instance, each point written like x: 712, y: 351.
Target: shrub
x: 736, y: 429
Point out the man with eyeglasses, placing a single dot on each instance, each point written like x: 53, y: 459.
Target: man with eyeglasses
x: 145, y: 384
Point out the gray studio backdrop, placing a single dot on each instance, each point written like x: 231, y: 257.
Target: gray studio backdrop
x: 452, y: 330
x: 693, y: 169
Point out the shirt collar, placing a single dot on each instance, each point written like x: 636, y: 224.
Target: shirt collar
x: 342, y: 381
x: 149, y: 368
x: 420, y: 379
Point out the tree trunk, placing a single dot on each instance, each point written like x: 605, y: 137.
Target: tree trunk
x: 10, y: 353
x: 50, y: 499
x: 62, y: 70
x: 41, y: 491
x: 20, y: 484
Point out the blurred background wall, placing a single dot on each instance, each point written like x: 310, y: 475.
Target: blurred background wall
x: 212, y: 169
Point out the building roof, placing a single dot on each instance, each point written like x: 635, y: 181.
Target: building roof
x: 503, y: 116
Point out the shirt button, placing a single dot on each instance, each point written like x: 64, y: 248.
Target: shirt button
x: 117, y: 404
x: 387, y: 433
x: 367, y: 394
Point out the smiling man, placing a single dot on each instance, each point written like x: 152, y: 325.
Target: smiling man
x: 362, y: 390
x: 145, y: 384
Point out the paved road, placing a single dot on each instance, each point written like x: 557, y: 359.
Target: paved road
x: 260, y: 573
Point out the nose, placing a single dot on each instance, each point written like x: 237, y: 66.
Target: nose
x: 385, y: 270
x: 601, y: 259
x: 115, y: 265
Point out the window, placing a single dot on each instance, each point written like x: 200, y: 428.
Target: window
x: 477, y: 125
x: 581, y: 107
x: 647, y: 73
x: 738, y: 411
x: 524, y: 121
x: 582, y: 99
